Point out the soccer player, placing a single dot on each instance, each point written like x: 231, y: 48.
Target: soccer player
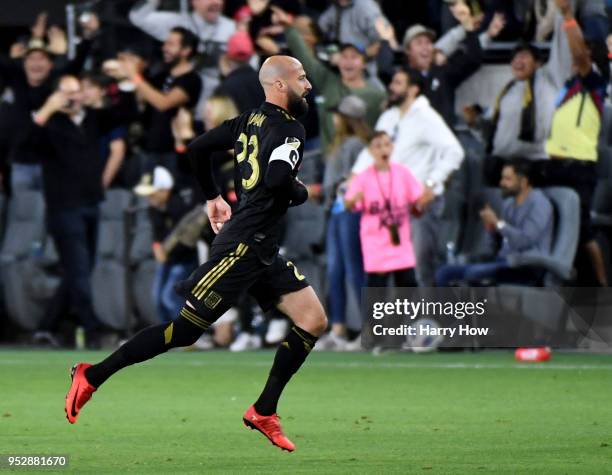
x: 268, y: 144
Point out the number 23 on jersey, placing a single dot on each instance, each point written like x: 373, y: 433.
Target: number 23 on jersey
x: 249, y: 143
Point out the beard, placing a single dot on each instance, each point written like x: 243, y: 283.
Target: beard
x: 297, y: 105
x: 509, y: 192
x: 396, y: 100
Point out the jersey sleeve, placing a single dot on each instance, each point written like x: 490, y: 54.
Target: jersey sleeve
x: 287, y: 147
x: 201, y: 149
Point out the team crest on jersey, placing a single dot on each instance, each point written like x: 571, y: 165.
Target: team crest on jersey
x: 212, y: 300
x: 293, y: 141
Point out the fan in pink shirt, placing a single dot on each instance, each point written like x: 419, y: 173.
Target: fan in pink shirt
x: 384, y: 193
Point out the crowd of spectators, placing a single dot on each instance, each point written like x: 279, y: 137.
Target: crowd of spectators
x: 382, y: 123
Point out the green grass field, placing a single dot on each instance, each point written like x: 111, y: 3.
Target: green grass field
x: 347, y: 413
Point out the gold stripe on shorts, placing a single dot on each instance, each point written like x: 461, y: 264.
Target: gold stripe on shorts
x: 240, y: 251
x: 212, y: 272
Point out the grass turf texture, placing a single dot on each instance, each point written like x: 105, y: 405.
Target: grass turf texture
x: 347, y: 413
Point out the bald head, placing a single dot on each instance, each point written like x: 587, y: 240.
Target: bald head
x: 284, y: 82
x: 278, y: 68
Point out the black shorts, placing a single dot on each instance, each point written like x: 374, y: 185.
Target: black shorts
x: 230, y: 272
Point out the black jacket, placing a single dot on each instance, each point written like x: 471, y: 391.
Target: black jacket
x: 442, y: 81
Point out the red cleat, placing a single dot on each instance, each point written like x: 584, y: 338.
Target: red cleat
x: 80, y: 392
x: 268, y: 426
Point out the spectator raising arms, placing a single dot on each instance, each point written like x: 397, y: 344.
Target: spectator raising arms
x: 72, y: 179
x: 384, y: 193
x: 211, y: 28
x: 442, y: 80
x: 574, y: 135
x: 175, y: 87
x: 331, y: 85
x: 31, y: 82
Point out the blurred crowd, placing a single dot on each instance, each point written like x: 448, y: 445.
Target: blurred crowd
x: 78, y: 118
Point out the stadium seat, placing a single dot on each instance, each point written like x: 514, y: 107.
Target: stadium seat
x: 559, y: 265
x: 109, y: 275
x: 476, y: 243
x: 26, y: 285
x: 142, y: 265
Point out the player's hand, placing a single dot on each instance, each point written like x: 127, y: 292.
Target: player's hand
x: 218, y: 213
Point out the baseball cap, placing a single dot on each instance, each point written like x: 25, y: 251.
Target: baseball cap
x: 351, y: 106
x: 417, y: 30
x: 38, y: 45
x: 240, y: 46
x: 526, y: 46
x: 356, y: 46
x: 160, y: 179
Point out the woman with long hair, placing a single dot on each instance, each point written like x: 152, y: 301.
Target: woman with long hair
x: 343, y: 248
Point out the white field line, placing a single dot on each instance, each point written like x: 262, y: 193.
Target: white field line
x: 361, y: 365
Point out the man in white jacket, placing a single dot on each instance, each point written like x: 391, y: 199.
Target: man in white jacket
x: 425, y: 144
x: 206, y: 22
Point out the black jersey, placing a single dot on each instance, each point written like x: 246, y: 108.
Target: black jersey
x: 259, y: 138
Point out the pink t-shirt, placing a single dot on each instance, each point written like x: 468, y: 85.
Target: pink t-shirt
x: 400, y: 188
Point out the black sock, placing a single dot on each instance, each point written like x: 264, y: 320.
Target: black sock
x: 148, y: 343
x: 290, y: 355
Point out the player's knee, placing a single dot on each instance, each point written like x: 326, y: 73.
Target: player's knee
x: 317, y: 323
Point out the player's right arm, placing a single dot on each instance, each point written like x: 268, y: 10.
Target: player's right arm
x: 199, y: 152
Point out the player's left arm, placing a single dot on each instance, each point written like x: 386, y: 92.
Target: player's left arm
x: 282, y: 167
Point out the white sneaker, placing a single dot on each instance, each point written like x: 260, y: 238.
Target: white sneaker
x: 205, y: 342
x: 246, y: 341
x: 277, y: 330
x: 330, y: 342
x: 354, y: 345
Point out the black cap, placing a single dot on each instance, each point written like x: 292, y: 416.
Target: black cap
x: 526, y: 46
x: 356, y: 46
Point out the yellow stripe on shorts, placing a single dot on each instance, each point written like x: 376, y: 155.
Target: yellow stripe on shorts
x: 240, y: 251
x: 212, y: 272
